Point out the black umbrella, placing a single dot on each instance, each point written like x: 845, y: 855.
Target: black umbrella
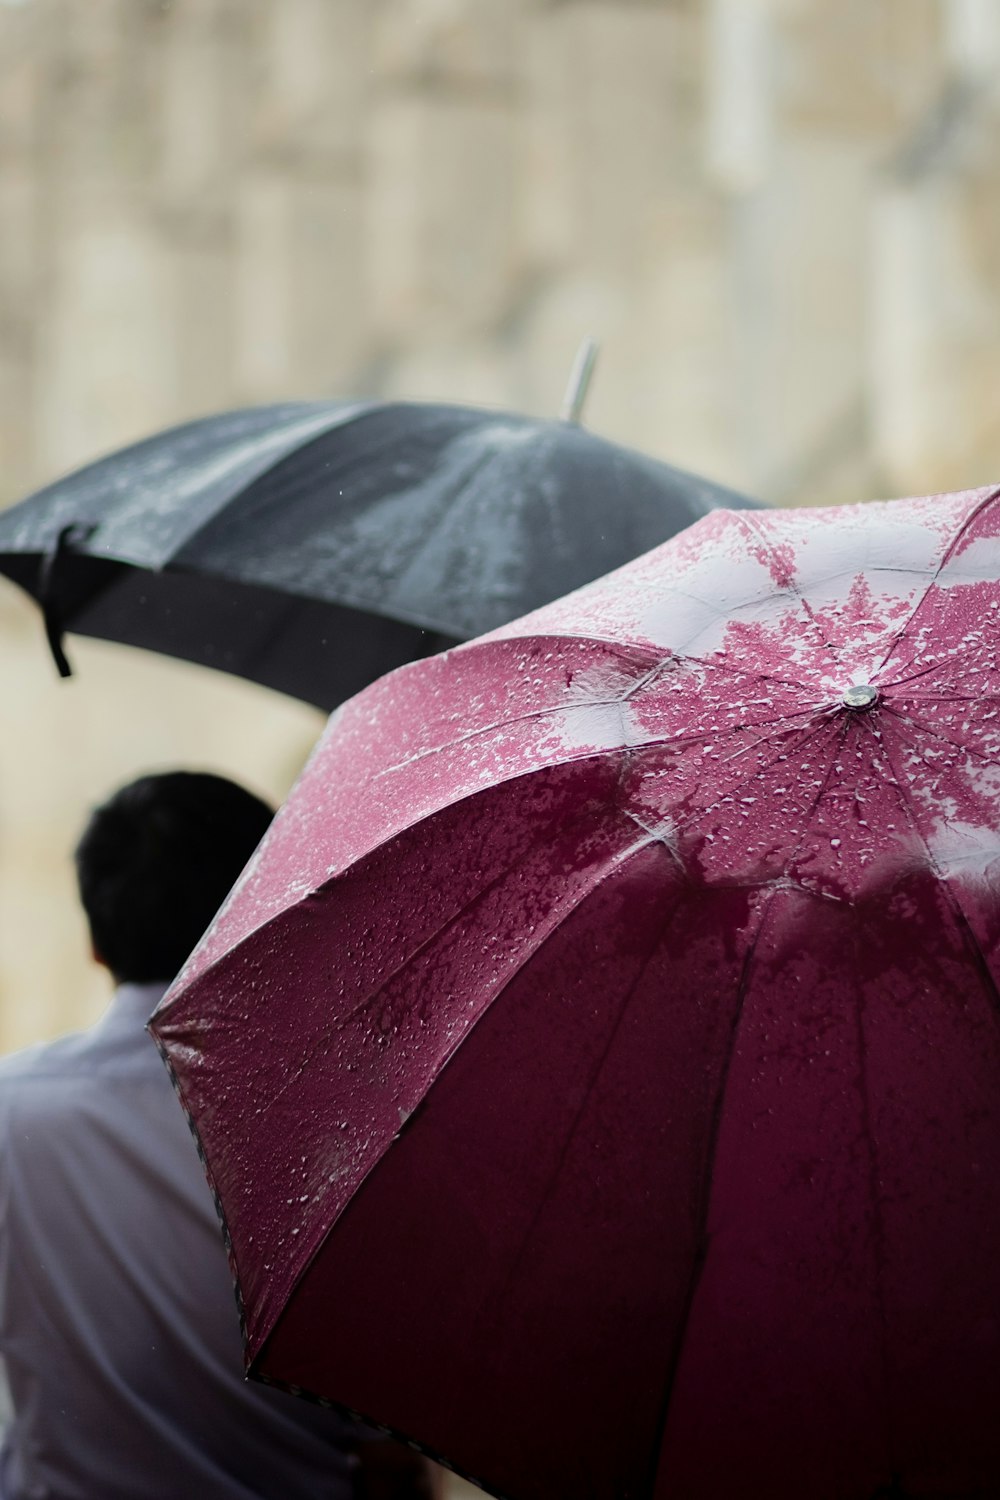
x: 313, y: 546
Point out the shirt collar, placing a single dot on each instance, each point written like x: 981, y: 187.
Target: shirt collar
x: 132, y: 1005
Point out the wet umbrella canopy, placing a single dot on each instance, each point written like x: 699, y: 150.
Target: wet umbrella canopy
x: 313, y: 546
x: 599, y: 1066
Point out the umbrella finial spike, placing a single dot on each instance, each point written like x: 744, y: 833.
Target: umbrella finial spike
x: 579, y: 380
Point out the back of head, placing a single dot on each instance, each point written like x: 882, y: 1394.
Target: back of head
x: 155, y: 863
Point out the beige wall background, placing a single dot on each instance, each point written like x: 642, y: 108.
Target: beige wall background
x: 780, y: 217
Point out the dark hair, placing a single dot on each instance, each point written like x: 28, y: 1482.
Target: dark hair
x: 155, y: 863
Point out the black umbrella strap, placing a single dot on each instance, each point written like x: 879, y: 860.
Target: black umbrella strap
x: 49, y: 579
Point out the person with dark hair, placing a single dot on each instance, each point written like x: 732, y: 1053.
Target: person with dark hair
x: 118, y: 1326
x: 156, y: 862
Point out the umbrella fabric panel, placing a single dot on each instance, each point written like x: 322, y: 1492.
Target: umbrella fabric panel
x: 596, y: 1054
x: 330, y: 1022
x: 855, y: 1223
x: 150, y: 498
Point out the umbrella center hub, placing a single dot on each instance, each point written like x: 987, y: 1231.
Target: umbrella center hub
x: 860, y: 695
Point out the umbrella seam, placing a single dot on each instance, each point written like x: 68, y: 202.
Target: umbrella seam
x: 703, y: 1245
x: 949, y: 552
x: 964, y: 926
x: 947, y: 660
x: 702, y: 1256
x: 879, y: 1246
x: 947, y: 889
x: 821, y: 792
x: 423, y: 542
x: 707, y: 809
x: 411, y: 957
x: 938, y: 734
x: 354, y: 413
x: 550, y: 432
x: 331, y: 880
x: 769, y: 739
x: 619, y: 857
x: 561, y: 709
x: 183, y: 542
x: 369, y: 410
x: 733, y: 670
x: 639, y: 848
x: 806, y: 607
x: 619, y: 860
x: 652, y: 675
x: 984, y: 697
x: 15, y: 512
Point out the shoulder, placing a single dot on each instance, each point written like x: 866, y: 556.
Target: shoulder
x: 44, y: 1060
x: 40, y: 1082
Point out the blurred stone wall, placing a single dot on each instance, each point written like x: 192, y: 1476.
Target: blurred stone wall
x: 781, y: 218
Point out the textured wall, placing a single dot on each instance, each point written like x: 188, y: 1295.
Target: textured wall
x: 781, y: 217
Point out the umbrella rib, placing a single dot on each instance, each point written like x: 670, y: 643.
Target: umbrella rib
x: 671, y: 653
x: 619, y: 701
x: 582, y: 704
x: 702, y: 1256
x: 729, y: 616
x: 680, y: 740
x: 721, y: 612
x: 485, y: 891
x: 820, y: 792
x: 879, y: 1238
x: 962, y: 745
x: 712, y: 806
x: 334, y: 420
x: 767, y: 739
x: 484, y: 729
x: 969, y: 938
x: 497, y: 1296
x: 449, y: 500
x: 649, y: 677
x: 790, y: 585
x: 654, y: 673
x: 942, y: 661
x: 732, y: 670
x: 619, y: 858
x: 702, y: 1248
x: 447, y: 503
x: 949, y: 552
x: 456, y: 916
x: 953, y: 697
x: 843, y: 727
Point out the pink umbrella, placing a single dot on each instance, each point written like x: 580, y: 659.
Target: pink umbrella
x: 598, y: 1067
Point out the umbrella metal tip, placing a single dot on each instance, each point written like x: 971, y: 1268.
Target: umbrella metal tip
x: 860, y: 695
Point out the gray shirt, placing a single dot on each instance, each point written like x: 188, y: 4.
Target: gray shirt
x: 118, y: 1327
